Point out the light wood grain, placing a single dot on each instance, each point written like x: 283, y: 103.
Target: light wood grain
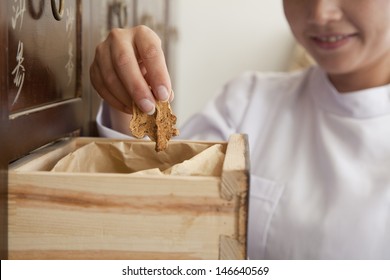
x: 117, y: 216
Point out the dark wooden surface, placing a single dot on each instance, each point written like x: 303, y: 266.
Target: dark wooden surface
x: 43, y: 51
x: 3, y: 133
x: 44, y: 73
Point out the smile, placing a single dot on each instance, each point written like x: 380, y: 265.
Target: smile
x: 329, y: 42
x: 331, y: 39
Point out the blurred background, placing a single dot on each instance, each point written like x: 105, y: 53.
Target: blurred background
x: 219, y: 39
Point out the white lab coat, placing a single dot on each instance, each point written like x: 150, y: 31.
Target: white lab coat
x: 320, y: 163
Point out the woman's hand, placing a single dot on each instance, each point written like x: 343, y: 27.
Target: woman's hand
x: 130, y: 65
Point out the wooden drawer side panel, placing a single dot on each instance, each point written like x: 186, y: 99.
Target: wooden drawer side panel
x: 73, y: 219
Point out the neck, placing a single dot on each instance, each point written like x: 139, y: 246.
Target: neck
x: 368, y: 77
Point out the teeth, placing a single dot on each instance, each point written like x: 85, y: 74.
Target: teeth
x: 331, y: 39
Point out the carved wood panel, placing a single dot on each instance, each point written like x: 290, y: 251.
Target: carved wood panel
x: 42, y: 58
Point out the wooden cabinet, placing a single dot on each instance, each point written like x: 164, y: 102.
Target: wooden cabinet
x: 45, y: 92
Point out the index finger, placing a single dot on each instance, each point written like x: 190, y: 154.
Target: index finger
x: 125, y: 64
x: 149, y: 50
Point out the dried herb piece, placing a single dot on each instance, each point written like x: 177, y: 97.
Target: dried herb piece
x: 159, y: 127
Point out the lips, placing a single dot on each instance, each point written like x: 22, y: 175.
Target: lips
x: 331, y: 41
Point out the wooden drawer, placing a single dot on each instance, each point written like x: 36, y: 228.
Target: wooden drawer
x: 58, y: 215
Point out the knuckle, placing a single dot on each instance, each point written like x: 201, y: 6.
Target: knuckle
x: 110, y: 79
x: 150, y: 46
x: 114, y: 34
x: 122, y: 56
x: 122, y: 59
x: 142, y: 29
x: 151, y: 51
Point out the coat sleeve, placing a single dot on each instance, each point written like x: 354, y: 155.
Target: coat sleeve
x: 224, y: 114
x: 103, y: 123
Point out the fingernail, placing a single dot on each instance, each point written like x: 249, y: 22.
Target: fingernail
x: 147, y: 106
x: 162, y: 93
